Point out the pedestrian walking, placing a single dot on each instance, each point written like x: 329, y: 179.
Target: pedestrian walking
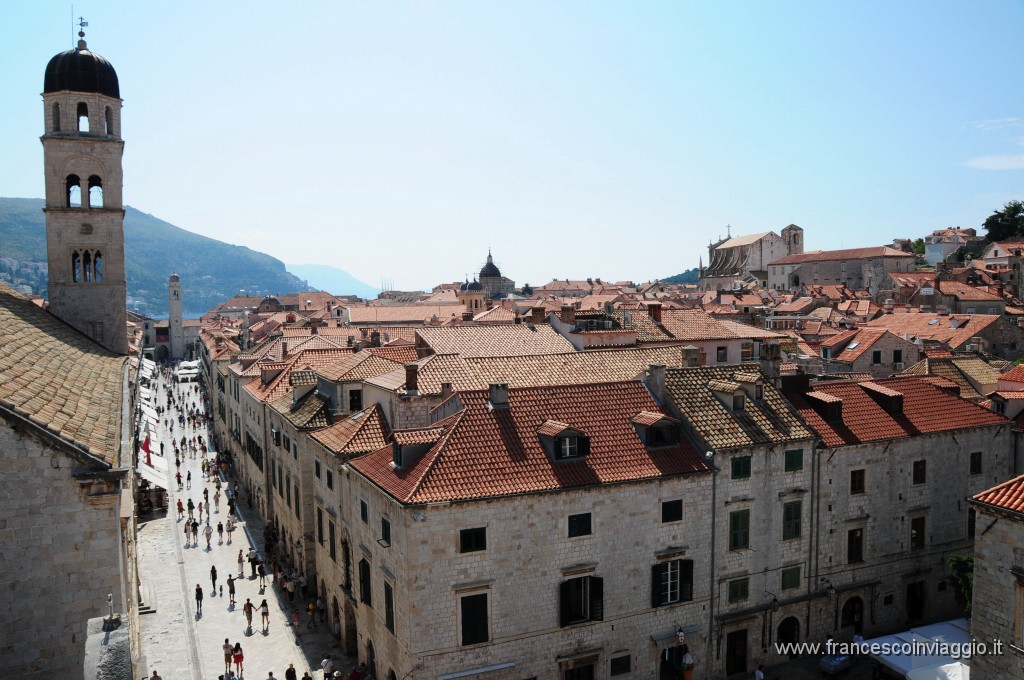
x: 311, y: 614
x: 188, y: 533
x: 252, y: 561
x: 213, y: 578
x: 208, y: 532
x: 178, y: 478
x: 195, y: 531
x: 229, y: 652
x: 241, y: 561
x: 291, y: 674
x: 238, y: 657
x: 206, y: 495
x: 265, y: 613
x: 296, y: 623
x: 231, y: 529
x: 247, y: 610
x: 327, y: 665
x: 231, y: 589
x: 270, y: 675
x: 291, y: 590
x: 216, y: 501
x: 220, y: 533
x: 191, y: 508
x: 261, y: 569
x: 200, y: 508
x: 181, y: 510
x: 321, y: 607
x: 188, y: 483
x: 199, y: 599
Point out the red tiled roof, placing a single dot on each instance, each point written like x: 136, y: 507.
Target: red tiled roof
x: 487, y: 453
x: 935, y: 327
x: 926, y: 409
x: 1016, y: 374
x: 1007, y: 496
x: 848, y: 254
x: 361, y: 432
x: 484, y: 341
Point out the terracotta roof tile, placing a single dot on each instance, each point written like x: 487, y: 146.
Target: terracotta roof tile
x: 1007, y: 496
x: 926, y: 409
x: 848, y: 254
x: 937, y: 328
x: 486, y: 453
x: 424, y: 436
x: 361, y: 432
x: 59, y: 378
x: 309, y: 413
x: 479, y: 341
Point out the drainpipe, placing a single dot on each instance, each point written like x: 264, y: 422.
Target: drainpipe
x: 710, y: 458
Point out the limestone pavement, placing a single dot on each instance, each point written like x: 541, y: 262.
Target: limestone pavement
x: 178, y: 641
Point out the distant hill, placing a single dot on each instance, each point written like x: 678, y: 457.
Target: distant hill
x: 333, y: 280
x: 211, y: 271
x: 689, y: 276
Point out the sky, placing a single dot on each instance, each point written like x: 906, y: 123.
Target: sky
x: 402, y: 140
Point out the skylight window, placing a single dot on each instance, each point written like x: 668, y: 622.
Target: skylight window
x: 854, y: 345
x: 933, y: 321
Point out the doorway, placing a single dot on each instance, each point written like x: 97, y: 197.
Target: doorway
x: 915, y: 601
x: 789, y: 633
x: 736, y: 652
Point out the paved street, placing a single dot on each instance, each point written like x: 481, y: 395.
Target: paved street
x: 177, y: 641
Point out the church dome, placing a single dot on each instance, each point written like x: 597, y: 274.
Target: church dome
x: 471, y: 285
x: 80, y: 70
x: 489, y: 270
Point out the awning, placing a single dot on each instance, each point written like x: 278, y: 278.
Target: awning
x: 152, y: 474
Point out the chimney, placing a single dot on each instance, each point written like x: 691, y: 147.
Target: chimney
x: 655, y: 381
x: 498, y: 396
x: 537, y: 315
x: 691, y: 356
x: 351, y: 340
x: 888, y: 305
x: 375, y: 339
x: 412, y: 379
x: 942, y: 310
x: 771, y: 362
x: 568, y: 315
x: 467, y: 316
x: 654, y: 309
x: 446, y: 390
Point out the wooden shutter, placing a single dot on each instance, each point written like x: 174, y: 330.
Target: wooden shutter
x: 686, y: 580
x: 596, y: 599
x: 564, y: 603
x: 657, y: 573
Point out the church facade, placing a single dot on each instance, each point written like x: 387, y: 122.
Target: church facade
x: 742, y: 261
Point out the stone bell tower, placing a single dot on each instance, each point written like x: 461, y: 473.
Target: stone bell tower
x: 82, y: 149
x: 174, y: 327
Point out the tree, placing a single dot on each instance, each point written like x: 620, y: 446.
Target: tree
x: 526, y: 289
x: 1004, y: 224
x: 961, y: 571
x: 918, y: 246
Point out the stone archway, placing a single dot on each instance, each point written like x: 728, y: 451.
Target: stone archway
x: 371, y: 660
x: 788, y: 632
x: 853, y: 614
x: 351, y: 643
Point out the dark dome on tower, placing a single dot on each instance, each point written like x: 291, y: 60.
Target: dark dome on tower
x: 80, y: 70
x: 471, y: 285
x: 490, y: 270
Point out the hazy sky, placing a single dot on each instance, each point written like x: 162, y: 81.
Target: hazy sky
x: 400, y: 140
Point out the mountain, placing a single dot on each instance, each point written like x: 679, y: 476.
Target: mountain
x: 211, y: 271
x: 332, y: 279
x: 689, y: 276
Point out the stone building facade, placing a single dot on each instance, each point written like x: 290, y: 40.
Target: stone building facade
x: 857, y: 268
x: 741, y: 261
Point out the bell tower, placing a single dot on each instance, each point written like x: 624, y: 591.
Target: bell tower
x: 82, y: 149
x: 174, y: 327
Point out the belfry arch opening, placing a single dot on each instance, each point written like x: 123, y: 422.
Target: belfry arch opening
x: 73, y: 191
x: 95, y: 192
x: 108, y: 121
x: 87, y: 266
x: 83, y: 117
x: 97, y: 265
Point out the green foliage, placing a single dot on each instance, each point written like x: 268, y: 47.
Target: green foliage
x: 918, y: 246
x: 961, y: 570
x: 688, y: 276
x: 1004, y: 224
x: 526, y: 290
x: 211, y: 271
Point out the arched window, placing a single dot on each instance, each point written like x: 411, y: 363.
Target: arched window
x: 56, y: 117
x: 108, y: 121
x: 73, y: 192
x: 76, y: 267
x: 97, y: 265
x: 87, y: 266
x: 83, y: 117
x: 175, y: 295
x: 95, y: 192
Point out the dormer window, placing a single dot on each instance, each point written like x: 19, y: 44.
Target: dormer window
x: 562, y: 442
x: 656, y: 429
x: 738, y: 402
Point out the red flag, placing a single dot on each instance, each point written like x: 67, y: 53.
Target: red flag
x: 145, y: 447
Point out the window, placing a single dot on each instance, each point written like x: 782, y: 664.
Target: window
x: 794, y: 460
x: 721, y: 354
x: 857, y: 481
x: 791, y: 517
x: 389, y: 607
x: 108, y: 121
x: 671, y: 582
x: 579, y: 525
x: 473, y: 540
x: 56, y: 117
x: 83, y: 117
x: 474, y: 619
x: 740, y: 467
x: 876, y: 356
x: 739, y: 590
x: 298, y: 505
x: 972, y: 519
x: 316, y: 469
x: 855, y: 546
x: 791, y: 578
x: 739, y: 529
x: 330, y: 479
x: 620, y: 665
x: 355, y: 400
x: 581, y: 599
x: 738, y: 402
x: 385, y: 530
x: 330, y: 544
x: 364, y: 583
x: 364, y: 513
x: 897, y: 356
x: 671, y: 511
x: 917, y: 533
x: 975, y: 462
x: 288, y: 490
x: 571, y: 447
x: 920, y: 471
x: 95, y: 192
x: 320, y: 526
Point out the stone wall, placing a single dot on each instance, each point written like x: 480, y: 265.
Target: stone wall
x: 998, y: 593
